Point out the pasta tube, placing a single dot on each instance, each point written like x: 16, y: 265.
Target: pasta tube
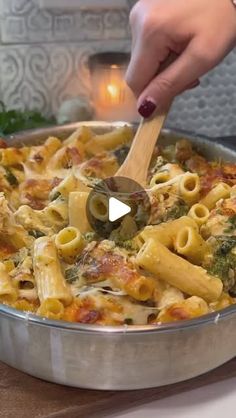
x: 42, y: 153
x: 28, y: 294
x: 69, y: 243
x: 8, y: 293
x: 167, y: 172
x: 109, y: 141
x: 166, y: 233
x: 77, y: 211
x: 220, y: 191
x: 189, y: 243
x: 140, y: 287
x: 68, y: 185
x: 98, y: 206
x: 161, y: 177
x: 52, y: 309
x: 56, y: 213
x: 67, y: 156
x: 24, y: 305
x: 192, y: 307
x: 13, y: 156
x: 190, y: 279
x: 32, y: 219
x: 189, y: 188
x: 49, y: 279
x: 199, y: 213
x: 23, y: 280
x: 82, y: 134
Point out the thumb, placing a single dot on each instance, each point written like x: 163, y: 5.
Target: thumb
x: 177, y: 77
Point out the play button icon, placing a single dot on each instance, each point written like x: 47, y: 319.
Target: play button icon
x: 118, y: 207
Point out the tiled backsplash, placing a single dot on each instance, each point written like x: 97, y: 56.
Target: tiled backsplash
x: 24, y: 21
x: 43, y: 54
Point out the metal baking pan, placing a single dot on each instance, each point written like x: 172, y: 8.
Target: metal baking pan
x: 117, y: 358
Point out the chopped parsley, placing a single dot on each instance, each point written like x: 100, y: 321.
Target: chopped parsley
x: 55, y: 196
x: 128, y: 245
x: 232, y: 224
x: 36, y: 233
x: 15, y: 120
x: 224, y: 267
x: 223, y: 264
x: 71, y: 274
x: 121, y: 154
x: 11, y: 178
x: 128, y: 321
x: 158, y: 164
x: 177, y: 211
x: 90, y: 236
x: 225, y: 245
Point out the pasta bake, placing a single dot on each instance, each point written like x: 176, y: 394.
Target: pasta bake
x: 52, y: 263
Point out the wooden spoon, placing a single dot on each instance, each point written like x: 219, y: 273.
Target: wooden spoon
x: 138, y: 160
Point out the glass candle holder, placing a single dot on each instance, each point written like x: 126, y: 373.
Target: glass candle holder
x: 112, y: 98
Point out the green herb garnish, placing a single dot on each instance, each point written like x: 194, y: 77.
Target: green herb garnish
x: 55, y: 196
x: 36, y: 233
x: 71, y: 274
x: 128, y: 245
x: 223, y: 264
x: 11, y: 178
x: 90, y: 236
x: 225, y: 245
x: 232, y: 224
x: 177, y: 211
x: 14, y: 120
x: 121, y: 154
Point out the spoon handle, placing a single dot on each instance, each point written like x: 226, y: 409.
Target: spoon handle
x: 138, y: 160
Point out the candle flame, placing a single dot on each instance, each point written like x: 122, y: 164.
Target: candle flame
x: 113, y: 91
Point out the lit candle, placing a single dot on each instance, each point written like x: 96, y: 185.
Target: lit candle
x: 112, y: 98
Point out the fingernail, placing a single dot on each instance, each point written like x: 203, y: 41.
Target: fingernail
x: 193, y: 85
x: 147, y: 108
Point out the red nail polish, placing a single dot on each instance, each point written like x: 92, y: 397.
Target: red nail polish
x: 147, y: 108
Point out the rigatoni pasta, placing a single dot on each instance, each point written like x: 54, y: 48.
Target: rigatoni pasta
x: 167, y: 232
x: 220, y: 191
x: 165, y: 265
x: 190, y: 244
x: 189, y: 188
x: 180, y: 266
x: 8, y: 293
x: 199, y: 213
x: 49, y: 279
x: 109, y: 141
x: 69, y: 243
x: 77, y: 211
x: 51, y: 308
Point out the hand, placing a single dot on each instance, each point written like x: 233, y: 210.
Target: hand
x: 200, y: 32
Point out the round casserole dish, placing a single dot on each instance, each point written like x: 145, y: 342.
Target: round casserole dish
x: 117, y: 358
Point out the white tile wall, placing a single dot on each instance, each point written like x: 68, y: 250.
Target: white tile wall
x: 81, y: 4
x: 43, y: 53
x: 23, y: 21
x: 44, y: 75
